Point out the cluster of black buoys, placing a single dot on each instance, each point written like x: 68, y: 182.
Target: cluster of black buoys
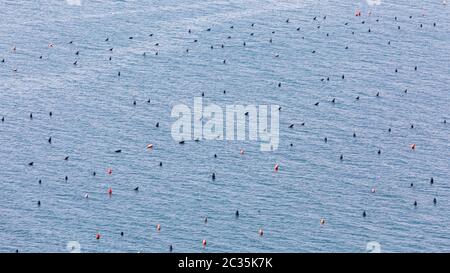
x: 108, y: 46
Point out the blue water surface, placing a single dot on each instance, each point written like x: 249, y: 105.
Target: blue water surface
x: 93, y: 115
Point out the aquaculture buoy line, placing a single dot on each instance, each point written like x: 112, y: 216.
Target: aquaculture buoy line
x: 337, y: 77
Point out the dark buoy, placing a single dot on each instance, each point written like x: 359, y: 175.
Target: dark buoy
x: 213, y: 176
x: 66, y: 158
x: 121, y: 233
x: 157, y: 125
x: 341, y: 157
x: 50, y: 140
x: 415, y: 203
x: 434, y: 201
x: 118, y: 151
x: 39, y: 203
x: 160, y: 164
x: 136, y: 189
x: 379, y: 152
x: 31, y: 164
x: 170, y: 248
x: 325, y: 139
x: 40, y: 181
x: 215, y: 155
x: 181, y: 142
x: 432, y: 181
x: 31, y: 115
x: 291, y: 126
x: 364, y: 214
x: 236, y: 214
x: 316, y: 104
x: 66, y: 178
x: 94, y: 174
x: 411, y: 185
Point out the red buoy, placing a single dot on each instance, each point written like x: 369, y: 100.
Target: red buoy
x: 97, y: 236
x: 276, y: 167
x: 109, y: 171
x: 110, y: 191
x: 204, y: 243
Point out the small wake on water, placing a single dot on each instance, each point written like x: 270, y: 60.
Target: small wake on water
x: 74, y: 2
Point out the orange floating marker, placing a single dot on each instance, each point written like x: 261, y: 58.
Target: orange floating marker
x: 276, y: 167
x: 158, y: 227
x: 261, y: 232
x: 97, y: 236
x: 204, y: 243
x: 110, y: 191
